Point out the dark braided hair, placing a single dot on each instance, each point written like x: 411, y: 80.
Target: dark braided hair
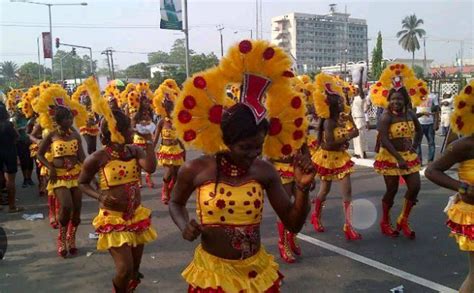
x: 238, y: 123
x: 123, y: 123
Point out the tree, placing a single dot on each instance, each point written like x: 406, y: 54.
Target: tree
x: 8, y: 69
x: 410, y: 33
x: 32, y: 73
x: 377, y: 57
x: 202, y: 62
x: 139, y: 70
x: 74, y: 66
x: 419, y: 72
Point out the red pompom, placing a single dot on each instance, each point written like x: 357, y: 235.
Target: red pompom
x: 275, y: 127
x: 423, y: 92
x: 199, y: 82
x: 385, y: 93
x: 468, y: 90
x: 286, y: 149
x: 298, y: 122
x: 189, y: 135
x: 184, y: 116
x: 288, y: 73
x: 245, y: 47
x: 375, y: 91
x: 461, y: 105
x: 379, y: 84
x: 397, y: 72
x: 459, y: 122
x: 412, y: 92
x: 268, y: 53
x: 392, y: 67
x: 296, y: 102
x: 298, y: 134
x: 189, y: 102
x: 215, y: 114
x: 403, y: 66
x: 397, y: 66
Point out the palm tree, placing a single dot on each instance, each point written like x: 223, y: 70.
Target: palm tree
x: 8, y: 69
x: 410, y: 33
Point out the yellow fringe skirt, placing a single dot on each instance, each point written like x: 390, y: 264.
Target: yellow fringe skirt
x: 257, y: 273
x: 114, y: 231
x: 332, y: 165
x: 92, y: 130
x: 387, y: 165
x: 461, y: 223
x: 66, y: 178
x: 138, y: 140
x: 286, y: 171
x: 170, y: 155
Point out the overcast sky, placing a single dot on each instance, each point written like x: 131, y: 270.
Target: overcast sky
x: 446, y: 23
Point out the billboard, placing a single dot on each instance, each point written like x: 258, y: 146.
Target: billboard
x: 47, y: 49
x: 171, y: 15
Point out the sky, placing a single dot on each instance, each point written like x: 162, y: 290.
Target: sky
x: 132, y: 27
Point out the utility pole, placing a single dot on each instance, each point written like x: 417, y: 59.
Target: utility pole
x: 462, y: 57
x: 256, y: 19
x: 220, y: 27
x: 110, y: 62
x: 186, y: 37
x: 424, y: 53
x: 39, y: 61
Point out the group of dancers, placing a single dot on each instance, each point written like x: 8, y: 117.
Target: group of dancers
x: 252, y: 119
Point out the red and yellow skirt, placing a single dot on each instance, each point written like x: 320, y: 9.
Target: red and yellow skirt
x: 170, y: 155
x: 461, y: 223
x: 286, y: 171
x: 34, y: 150
x: 312, y: 143
x: 332, y: 165
x: 138, y: 140
x: 208, y: 273
x: 387, y: 165
x: 91, y: 130
x: 66, y: 178
x: 115, y: 231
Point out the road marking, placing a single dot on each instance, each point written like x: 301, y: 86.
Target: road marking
x: 378, y: 265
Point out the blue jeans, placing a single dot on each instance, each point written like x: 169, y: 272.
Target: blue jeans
x: 429, y: 133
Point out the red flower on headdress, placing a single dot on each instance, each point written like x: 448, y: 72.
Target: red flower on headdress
x: 461, y: 105
x: 199, y: 82
x: 268, y: 53
x: 189, y: 102
x: 468, y: 90
x: 288, y: 73
x: 184, y: 116
x: 296, y: 102
x: 215, y: 114
x: 275, y: 126
x: 245, y: 46
x: 189, y: 135
x: 298, y: 134
x: 286, y: 149
x: 298, y: 122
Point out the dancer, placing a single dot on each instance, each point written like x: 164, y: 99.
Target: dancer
x: 231, y: 180
x: 400, y: 135
x: 123, y: 224
x: 171, y: 153
x: 141, y: 112
x: 57, y: 114
x: 461, y: 206
x: 331, y: 159
x: 91, y: 130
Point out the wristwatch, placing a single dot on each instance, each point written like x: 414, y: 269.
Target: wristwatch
x: 463, y: 187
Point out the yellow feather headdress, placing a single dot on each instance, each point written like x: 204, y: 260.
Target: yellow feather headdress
x: 101, y: 107
x: 258, y: 66
x: 398, y: 76
x: 53, y: 97
x: 462, y: 119
x: 76, y: 96
x: 14, y: 96
x: 325, y: 84
x: 167, y: 90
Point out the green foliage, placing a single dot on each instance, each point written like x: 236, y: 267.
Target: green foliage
x: 410, y: 33
x: 377, y: 57
x: 418, y: 71
x: 139, y: 70
x: 8, y: 70
x: 74, y: 66
x: 32, y: 73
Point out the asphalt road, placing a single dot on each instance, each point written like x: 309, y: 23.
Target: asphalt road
x: 373, y: 264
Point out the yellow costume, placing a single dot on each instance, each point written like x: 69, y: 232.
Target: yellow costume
x: 170, y: 155
x: 386, y: 164
x: 286, y: 171
x: 236, y: 206
x: 461, y: 214
x: 118, y: 228
x: 333, y: 165
x: 67, y: 175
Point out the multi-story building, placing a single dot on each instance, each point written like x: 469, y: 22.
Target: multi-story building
x: 321, y: 40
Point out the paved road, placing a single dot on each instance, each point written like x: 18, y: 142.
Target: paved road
x: 31, y: 263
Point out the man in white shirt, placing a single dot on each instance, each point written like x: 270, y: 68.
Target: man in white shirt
x: 361, y: 119
x: 446, y: 110
x: 427, y: 114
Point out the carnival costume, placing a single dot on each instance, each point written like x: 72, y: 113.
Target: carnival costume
x: 332, y: 165
x: 14, y: 96
x: 92, y: 127
x: 173, y: 154
x: 261, y: 69
x: 397, y: 76
x: 48, y: 102
x: 460, y: 214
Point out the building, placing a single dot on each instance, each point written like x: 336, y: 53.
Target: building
x: 160, y: 67
x: 321, y: 40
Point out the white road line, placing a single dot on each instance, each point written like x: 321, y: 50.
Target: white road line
x: 378, y: 265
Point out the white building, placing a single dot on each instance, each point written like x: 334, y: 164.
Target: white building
x: 321, y: 40
x: 160, y: 67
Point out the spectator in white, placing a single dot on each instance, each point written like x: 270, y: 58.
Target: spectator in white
x: 361, y: 119
x: 446, y: 110
x: 427, y: 114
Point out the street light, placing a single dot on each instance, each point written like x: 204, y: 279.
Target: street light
x: 50, y: 21
x: 251, y: 32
